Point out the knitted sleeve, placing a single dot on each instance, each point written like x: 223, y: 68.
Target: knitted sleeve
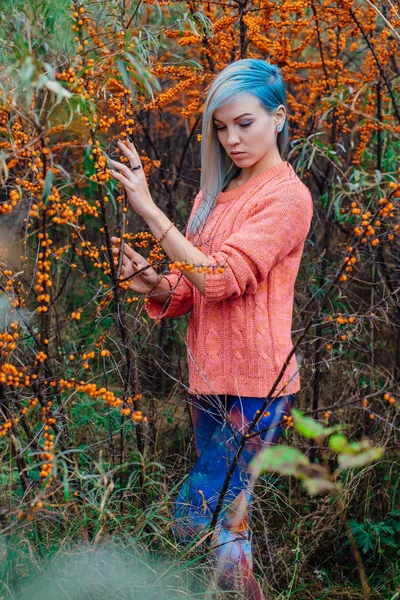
x: 181, y: 299
x: 271, y: 231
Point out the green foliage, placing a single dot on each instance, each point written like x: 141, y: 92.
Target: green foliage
x: 315, y: 478
x: 311, y: 428
x: 282, y: 459
x: 377, y: 537
x: 289, y: 461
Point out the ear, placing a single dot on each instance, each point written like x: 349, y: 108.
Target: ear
x: 280, y: 114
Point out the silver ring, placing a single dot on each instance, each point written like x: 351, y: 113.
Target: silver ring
x: 136, y: 168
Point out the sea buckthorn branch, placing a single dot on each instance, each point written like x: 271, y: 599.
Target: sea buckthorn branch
x: 122, y: 227
x: 320, y: 48
x: 123, y: 198
x: 133, y: 15
x: 78, y: 15
x: 63, y: 285
x: 11, y: 377
x: 131, y: 380
x: 377, y: 61
x: 43, y: 277
x: 384, y: 209
x: 44, y: 287
x: 9, y: 421
x: 361, y: 403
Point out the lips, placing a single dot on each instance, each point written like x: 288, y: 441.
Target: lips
x: 237, y: 153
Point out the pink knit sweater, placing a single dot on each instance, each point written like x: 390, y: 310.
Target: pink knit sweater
x: 239, y: 332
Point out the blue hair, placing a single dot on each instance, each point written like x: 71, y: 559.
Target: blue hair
x: 246, y: 76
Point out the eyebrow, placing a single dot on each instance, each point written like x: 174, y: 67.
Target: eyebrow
x: 235, y: 119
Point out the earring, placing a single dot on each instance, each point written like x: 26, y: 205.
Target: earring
x: 279, y: 128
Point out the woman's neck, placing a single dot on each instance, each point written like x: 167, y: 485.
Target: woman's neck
x: 262, y: 165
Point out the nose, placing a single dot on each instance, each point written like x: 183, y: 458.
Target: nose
x: 233, y: 137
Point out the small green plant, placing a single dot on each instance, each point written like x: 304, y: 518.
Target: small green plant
x: 377, y: 537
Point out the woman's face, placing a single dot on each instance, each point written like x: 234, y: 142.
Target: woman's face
x: 244, y: 127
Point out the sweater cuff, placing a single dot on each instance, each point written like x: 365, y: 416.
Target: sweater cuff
x: 220, y: 286
x: 215, y: 282
x: 179, y: 303
x: 156, y: 309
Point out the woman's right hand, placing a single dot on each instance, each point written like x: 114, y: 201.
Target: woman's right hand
x: 132, y: 262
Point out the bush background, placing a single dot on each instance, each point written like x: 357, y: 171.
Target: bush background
x: 78, y: 350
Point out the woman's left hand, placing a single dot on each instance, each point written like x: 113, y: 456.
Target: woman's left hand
x: 134, y: 182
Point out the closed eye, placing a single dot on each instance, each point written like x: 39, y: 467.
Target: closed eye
x: 241, y: 125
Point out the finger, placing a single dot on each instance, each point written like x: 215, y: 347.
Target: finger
x: 128, y: 250
x: 127, y: 266
x: 116, y: 242
x: 130, y: 152
x: 130, y: 253
x: 128, y: 263
x: 130, y: 155
x: 139, y: 259
x: 127, y: 258
x: 119, y: 177
x: 132, y: 147
x: 123, y: 168
x: 124, y: 147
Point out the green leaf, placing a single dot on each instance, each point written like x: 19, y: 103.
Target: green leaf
x: 281, y: 459
x: 58, y: 89
x: 126, y: 78
x: 353, y: 448
x: 289, y: 461
x: 310, y: 428
x: 27, y: 71
x: 48, y: 181
x: 338, y: 442
x: 366, y: 456
x: 315, y: 486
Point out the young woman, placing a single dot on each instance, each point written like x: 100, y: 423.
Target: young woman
x: 245, y: 239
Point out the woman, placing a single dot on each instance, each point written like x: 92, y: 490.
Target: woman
x: 245, y: 239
